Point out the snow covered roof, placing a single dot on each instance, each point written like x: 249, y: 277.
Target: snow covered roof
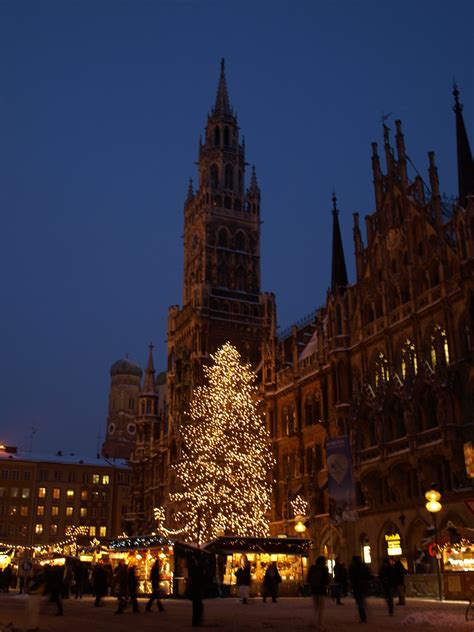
x: 9, y: 454
x: 312, y: 346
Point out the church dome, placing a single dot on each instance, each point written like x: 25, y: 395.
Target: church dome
x: 125, y: 367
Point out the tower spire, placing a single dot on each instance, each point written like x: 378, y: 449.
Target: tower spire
x: 149, y: 381
x: 222, y: 105
x: 465, y: 162
x: 339, y: 273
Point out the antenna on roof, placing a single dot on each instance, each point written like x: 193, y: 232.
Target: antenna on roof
x: 98, y: 444
x: 33, y: 431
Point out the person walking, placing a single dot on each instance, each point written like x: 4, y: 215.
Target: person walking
x: 271, y: 580
x: 388, y: 582
x: 243, y: 579
x: 53, y: 579
x: 318, y: 580
x: 155, y: 587
x: 133, y: 587
x: 7, y: 578
x: 340, y: 578
x: 400, y: 572
x: 121, y: 580
x: 99, y: 583
x: 195, y: 587
x: 360, y: 577
x: 79, y: 579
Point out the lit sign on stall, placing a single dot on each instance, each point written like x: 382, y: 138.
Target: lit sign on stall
x: 394, y: 544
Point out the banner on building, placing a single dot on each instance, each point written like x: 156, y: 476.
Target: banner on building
x: 469, y: 459
x: 341, y: 488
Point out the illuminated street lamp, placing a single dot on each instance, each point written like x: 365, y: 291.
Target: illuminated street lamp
x: 434, y: 506
x: 300, y: 526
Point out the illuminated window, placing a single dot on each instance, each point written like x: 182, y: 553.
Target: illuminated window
x: 382, y: 373
x: 69, y: 511
x: 95, y: 479
x: 70, y: 493
x: 92, y: 531
x: 56, y: 493
x: 40, y: 510
x: 14, y: 492
x: 13, y: 510
x: 53, y: 529
x: 439, y: 350
x: 24, y: 510
x: 39, y: 528
x: 84, y: 494
x: 25, y: 492
x: 103, y: 532
x: 105, y: 479
x: 83, y: 512
x: 409, y: 361
x: 55, y: 510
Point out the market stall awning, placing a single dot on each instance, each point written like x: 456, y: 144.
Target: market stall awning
x: 236, y: 544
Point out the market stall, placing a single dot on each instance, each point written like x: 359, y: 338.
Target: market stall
x: 290, y: 554
x: 456, y: 545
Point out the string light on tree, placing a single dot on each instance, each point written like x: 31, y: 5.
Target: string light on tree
x: 224, y: 473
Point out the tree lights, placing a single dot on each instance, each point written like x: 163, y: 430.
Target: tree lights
x: 223, y: 477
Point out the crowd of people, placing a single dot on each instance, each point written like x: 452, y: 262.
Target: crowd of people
x: 62, y: 582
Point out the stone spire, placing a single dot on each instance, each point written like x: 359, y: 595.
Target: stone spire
x: 149, y: 381
x: 465, y: 162
x: 222, y: 105
x: 339, y: 273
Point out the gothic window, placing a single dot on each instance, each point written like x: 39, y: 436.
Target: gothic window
x: 338, y: 321
x: 143, y: 408
x: 222, y: 275
x: 227, y: 202
x: 285, y: 421
x: 292, y: 419
x: 308, y: 410
x: 223, y: 238
x: 131, y: 403
x: 434, y: 274
x: 148, y: 407
x: 409, y: 361
x: 382, y: 374
x: 214, y: 176
x: 316, y: 408
x: 439, y: 352
x: 404, y: 291
x: 229, y: 176
x: 217, y: 136
x: 240, y: 278
x: 237, y: 205
x: 226, y: 136
x: 240, y: 241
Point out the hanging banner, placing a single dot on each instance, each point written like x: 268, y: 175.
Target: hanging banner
x: 341, y: 488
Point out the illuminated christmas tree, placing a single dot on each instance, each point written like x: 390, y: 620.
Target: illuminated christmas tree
x: 224, y: 472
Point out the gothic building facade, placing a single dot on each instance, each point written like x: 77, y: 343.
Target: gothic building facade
x: 387, y: 361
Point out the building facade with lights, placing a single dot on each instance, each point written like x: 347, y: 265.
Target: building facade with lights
x: 388, y: 360
x: 43, y: 497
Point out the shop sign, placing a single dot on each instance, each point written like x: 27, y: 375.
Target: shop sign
x: 394, y: 544
x: 341, y: 487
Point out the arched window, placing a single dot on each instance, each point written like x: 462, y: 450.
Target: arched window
x: 131, y: 403
x: 223, y: 238
x: 229, y: 176
x: 382, y: 374
x: 214, y: 176
x: 217, y: 136
x: 222, y: 275
x: 439, y: 352
x: 148, y: 407
x: 316, y: 407
x: 240, y: 281
x: 409, y: 361
x: 240, y: 241
x: 338, y: 321
x: 285, y: 421
x: 226, y: 136
x: 308, y: 410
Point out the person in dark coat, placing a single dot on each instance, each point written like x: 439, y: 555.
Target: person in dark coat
x: 133, y: 587
x: 53, y: 585
x: 388, y: 582
x: 270, y: 582
x: 79, y: 579
x: 340, y: 578
x: 400, y: 572
x: 195, y: 587
x: 99, y: 583
x: 318, y: 580
x: 243, y: 578
x: 360, y: 578
x: 7, y: 578
x: 121, y: 580
x: 155, y: 587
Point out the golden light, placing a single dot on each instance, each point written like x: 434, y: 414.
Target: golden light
x: 432, y: 495
x: 433, y: 506
x: 300, y: 527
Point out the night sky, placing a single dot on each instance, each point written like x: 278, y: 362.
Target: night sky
x: 101, y: 107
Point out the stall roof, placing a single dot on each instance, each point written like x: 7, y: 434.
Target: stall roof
x: 139, y: 542
x: 236, y: 544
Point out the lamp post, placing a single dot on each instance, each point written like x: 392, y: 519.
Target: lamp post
x: 434, y: 506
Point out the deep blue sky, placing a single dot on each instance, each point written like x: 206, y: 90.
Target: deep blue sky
x: 101, y: 107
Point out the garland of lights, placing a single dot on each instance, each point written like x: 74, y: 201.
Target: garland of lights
x: 224, y: 472
x: 72, y: 532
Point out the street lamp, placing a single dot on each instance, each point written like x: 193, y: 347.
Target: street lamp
x: 300, y: 526
x: 434, y: 506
